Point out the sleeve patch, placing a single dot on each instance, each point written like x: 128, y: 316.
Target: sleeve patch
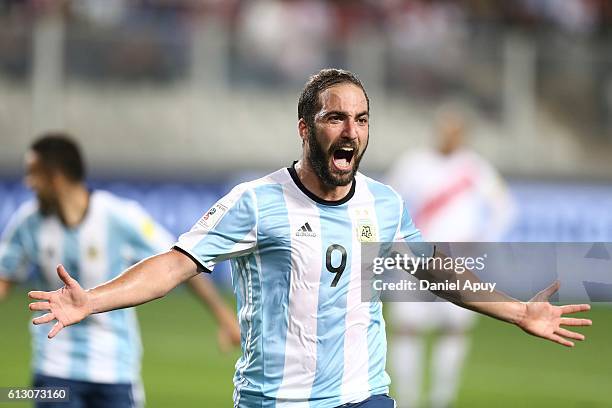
x: 212, y: 216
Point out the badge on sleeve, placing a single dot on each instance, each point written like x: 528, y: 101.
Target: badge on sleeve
x: 212, y: 216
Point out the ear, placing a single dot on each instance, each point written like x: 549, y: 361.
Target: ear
x: 303, y: 130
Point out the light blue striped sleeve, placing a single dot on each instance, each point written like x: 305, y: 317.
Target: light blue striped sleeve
x: 408, y: 232
x: 227, y: 230
x: 16, y: 246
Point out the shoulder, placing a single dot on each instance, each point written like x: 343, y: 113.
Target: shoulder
x: 470, y: 155
x: 28, y: 210
x: 25, y: 220
x: 414, y: 157
x: 250, y: 188
x: 27, y: 213
x: 103, y: 197
x: 477, y: 162
x: 379, y: 190
x: 105, y: 202
x: 279, y: 177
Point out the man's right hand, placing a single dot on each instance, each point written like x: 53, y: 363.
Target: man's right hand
x: 68, y: 305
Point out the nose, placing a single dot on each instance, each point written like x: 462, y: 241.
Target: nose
x: 350, y: 130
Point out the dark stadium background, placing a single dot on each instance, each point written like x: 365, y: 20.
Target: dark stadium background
x: 176, y: 101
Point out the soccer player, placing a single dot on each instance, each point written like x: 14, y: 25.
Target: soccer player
x: 96, y: 235
x: 294, y: 239
x: 454, y: 195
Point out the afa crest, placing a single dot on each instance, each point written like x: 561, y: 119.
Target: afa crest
x: 366, y: 232
x: 92, y: 252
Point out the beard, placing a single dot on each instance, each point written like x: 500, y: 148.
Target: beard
x: 46, y: 205
x: 320, y: 160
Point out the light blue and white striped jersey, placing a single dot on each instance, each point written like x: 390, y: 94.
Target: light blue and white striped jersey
x: 307, y: 338
x: 104, y: 348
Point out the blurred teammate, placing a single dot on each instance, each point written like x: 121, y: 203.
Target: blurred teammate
x: 454, y: 195
x: 294, y: 237
x: 96, y: 235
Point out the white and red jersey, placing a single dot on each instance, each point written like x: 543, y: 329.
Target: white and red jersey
x: 455, y: 197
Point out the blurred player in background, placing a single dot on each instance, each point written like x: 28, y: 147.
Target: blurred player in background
x: 98, y: 235
x: 454, y: 195
x: 294, y: 237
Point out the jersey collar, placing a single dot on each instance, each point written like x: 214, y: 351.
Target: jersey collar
x: 315, y: 198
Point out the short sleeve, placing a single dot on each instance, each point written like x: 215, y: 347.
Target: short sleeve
x: 409, y: 233
x: 14, y: 244
x: 227, y: 230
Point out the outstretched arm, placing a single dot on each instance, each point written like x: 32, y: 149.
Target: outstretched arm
x: 229, y: 331
x: 147, y: 280
x: 536, y: 317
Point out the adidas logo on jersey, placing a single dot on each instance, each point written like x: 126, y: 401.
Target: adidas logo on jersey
x: 305, y: 231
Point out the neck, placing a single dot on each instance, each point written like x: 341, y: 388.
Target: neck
x: 315, y: 185
x: 73, y: 200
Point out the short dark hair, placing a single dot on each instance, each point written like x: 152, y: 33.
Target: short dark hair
x: 58, y: 151
x: 309, y: 102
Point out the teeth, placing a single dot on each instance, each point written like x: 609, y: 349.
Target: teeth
x: 347, y: 149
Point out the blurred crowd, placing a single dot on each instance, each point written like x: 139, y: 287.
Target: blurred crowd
x: 284, y: 38
x: 425, y: 47
x: 344, y: 15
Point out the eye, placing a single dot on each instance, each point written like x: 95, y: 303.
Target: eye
x: 362, y: 120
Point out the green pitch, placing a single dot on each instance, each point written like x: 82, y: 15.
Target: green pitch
x: 183, y: 366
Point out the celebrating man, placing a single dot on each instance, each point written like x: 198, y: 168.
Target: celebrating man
x: 294, y: 239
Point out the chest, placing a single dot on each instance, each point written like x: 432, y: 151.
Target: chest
x: 320, y: 245
x: 83, y: 251
x: 307, y: 227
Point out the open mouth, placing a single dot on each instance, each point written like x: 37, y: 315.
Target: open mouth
x: 343, y: 157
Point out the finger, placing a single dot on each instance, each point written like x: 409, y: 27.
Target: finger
x: 558, y: 339
x: 63, y: 274
x: 570, y: 321
x: 56, y: 328
x: 549, y: 291
x: 575, y: 308
x: 40, y: 306
x: 44, y: 318
x: 570, y: 334
x: 39, y: 295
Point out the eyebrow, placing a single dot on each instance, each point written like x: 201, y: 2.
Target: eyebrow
x: 342, y: 113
